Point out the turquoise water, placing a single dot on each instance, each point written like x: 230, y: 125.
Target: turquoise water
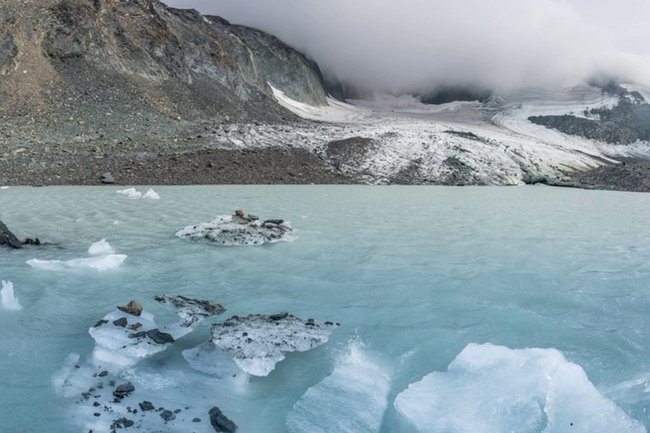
x: 414, y: 275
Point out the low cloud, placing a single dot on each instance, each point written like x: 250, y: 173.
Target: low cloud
x: 413, y: 46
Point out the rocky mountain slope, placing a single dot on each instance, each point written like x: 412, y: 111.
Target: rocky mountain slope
x: 157, y: 95
x: 86, y: 71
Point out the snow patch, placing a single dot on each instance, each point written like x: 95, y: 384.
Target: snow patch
x: 490, y: 388
x: 334, y: 112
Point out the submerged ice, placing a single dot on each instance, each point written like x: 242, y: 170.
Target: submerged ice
x: 103, y: 258
x: 490, y: 388
x: 352, y: 399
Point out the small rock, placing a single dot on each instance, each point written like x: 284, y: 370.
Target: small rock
x: 103, y: 373
x: 121, y: 322
x: 146, y: 405
x: 221, y: 423
x: 167, y: 415
x: 123, y: 390
x: 107, y: 178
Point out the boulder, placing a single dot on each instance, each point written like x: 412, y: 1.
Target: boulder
x: 133, y: 307
x: 220, y: 422
x: 8, y: 238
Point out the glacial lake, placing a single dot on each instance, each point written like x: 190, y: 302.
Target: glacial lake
x: 524, y: 309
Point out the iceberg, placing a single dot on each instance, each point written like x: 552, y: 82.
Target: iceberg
x: 134, y: 194
x: 9, y: 300
x: 238, y: 229
x: 490, y: 388
x: 101, y: 248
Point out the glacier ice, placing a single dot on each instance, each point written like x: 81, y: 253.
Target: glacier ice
x: 134, y: 194
x: 101, y: 248
x: 99, y: 263
x: 490, y: 388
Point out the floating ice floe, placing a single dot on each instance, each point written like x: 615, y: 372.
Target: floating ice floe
x: 239, y: 229
x: 353, y: 399
x: 104, y: 259
x: 490, y: 388
x: 4, y: 187
x: 258, y: 342
x: 101, y: 248
x: 122, y: 338
x: 9, y: 300
x: 99, y: 263
x: 134, y: 194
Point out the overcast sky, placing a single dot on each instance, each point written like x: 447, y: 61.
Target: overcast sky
x: 414, y: 45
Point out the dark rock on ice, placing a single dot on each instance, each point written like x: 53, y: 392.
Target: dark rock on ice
x: 146, y: 405
x: 121, y: 322
x: 167, y: 415
x: 191, y: 310
x: 123, y: 390
x: 160, y: 337
x: 99, y: 323
x: 258, y: 342
x: 122, y: 423
x: 133, y: 307
x: 220, y: 422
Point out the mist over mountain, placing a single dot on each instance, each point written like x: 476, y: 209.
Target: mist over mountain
x: 413, y: 46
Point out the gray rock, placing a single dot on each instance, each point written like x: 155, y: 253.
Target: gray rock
x: 220, y: 422
x: 8, y: 238
x: 123, y: 390
x: 107, y: 178
x: 167, y: 415
x: 159, y: 337
x: 146, y: 406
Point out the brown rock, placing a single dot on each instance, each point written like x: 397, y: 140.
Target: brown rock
x: 134, y: 308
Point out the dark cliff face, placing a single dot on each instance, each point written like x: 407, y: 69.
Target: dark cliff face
x: 124, y: 63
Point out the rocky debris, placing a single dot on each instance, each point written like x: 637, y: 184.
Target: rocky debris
x: 133, y: 307
x: 121, y: 423
x: 350, y: 152
x: 220, y: 422
x: 238, y: 230
x: 121, y: 322
x: 191, y: 310
x: 107, y: 178
x: 628, y: 175
x: 258, y: 342
x: 123, y: 390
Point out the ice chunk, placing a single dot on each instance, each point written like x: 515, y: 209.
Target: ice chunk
x: 122, y: 339
x: 99, y: 263
x: 352, y: 399
x: 151, y: 195
x: 4, y: 187
x: 259, y: 342
x: 191, y: 310
x: 9, y: 300
x: 131, y: 193
x: 490, y: 388
x: 101, y: 248
x: 134, y: 194
x: 225, y: 230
